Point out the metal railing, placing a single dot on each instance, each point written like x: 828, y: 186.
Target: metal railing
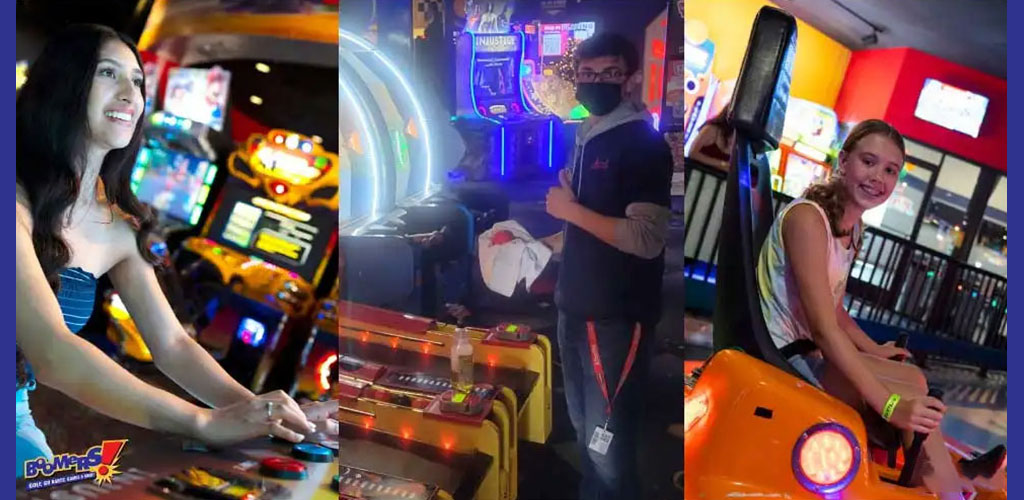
x: 893, y: 281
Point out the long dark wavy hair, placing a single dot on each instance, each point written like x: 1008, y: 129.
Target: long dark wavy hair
x: 52, y: 130
x: 831, y: 196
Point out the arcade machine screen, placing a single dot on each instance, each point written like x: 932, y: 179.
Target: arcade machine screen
x: 495, y: 76
x: 176, y: 184
x: 288, y: 237
x: 491, y: 68
x: 198, y: 94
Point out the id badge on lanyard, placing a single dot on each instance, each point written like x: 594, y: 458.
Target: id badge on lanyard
x: 601, y: 439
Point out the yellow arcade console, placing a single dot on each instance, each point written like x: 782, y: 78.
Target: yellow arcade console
x: 366, y: 325
x: 414, y: 417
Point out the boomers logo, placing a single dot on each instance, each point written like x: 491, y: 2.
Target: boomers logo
x: 100, y: 461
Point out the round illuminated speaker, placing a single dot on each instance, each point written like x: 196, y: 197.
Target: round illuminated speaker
x: 826, y: 458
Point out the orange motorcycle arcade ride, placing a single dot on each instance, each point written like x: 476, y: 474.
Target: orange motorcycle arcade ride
x: 753, y: 426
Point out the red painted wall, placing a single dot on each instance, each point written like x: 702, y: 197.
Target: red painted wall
x: 866, y: 92
x: 886, y: 83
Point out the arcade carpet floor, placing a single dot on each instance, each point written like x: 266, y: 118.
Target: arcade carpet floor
x: 977, y: 411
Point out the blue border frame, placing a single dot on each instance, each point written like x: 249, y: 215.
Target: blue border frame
x: 472, y: 86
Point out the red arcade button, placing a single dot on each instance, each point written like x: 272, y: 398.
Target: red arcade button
x: 283, y: 468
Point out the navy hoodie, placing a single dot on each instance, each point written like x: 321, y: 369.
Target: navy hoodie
x: 619, y: 161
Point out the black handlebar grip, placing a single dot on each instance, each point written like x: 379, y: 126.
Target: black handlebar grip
x: 901, y: 342
x: 912, y: 455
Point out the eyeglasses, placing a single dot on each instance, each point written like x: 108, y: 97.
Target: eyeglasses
x: 610, y: 75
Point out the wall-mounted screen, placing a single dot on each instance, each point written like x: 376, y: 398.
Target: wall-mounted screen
x: 951, y: 107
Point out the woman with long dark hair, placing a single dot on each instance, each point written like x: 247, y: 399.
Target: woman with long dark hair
x: 78, y: 133
x: 802, y: 273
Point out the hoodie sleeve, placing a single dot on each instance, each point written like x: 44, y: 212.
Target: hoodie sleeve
x: 647, y: 183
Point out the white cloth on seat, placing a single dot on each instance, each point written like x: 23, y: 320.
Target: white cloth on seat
x: 504, y: 264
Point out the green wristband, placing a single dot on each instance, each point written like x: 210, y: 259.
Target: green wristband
x: 890, y: 406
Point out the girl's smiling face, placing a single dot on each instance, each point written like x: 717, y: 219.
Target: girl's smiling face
x: 871, y: 170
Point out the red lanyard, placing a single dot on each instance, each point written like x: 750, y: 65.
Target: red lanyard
x: 595, y: 358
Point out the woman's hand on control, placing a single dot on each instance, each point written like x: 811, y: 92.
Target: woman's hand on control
x: 324, y: 415
x: 273, y: 414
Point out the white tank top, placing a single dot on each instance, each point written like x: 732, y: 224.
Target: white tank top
x: 780, y: 299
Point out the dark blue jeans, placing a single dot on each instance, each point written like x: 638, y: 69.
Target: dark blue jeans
x: 613, y: 475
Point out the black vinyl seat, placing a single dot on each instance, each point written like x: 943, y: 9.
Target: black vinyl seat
x: 757, y: 113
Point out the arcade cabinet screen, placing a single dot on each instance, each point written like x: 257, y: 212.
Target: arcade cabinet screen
x: 296, y: 238
x: 495, y: 76
x: 951, y: 107
x: 174, y: 183
x: 198, y: 94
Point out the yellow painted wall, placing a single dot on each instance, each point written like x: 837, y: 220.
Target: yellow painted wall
x: 820, y: 63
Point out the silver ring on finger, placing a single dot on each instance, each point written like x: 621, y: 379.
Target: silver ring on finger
x: 270, y: 418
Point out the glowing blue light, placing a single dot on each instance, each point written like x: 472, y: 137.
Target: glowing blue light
x: 503, y: 151
x: 421, y: 117
x: 551, y: 143
x: 519, y: 59
x: 251, y: 332
x: 367, y: 134
x: 472, y: 85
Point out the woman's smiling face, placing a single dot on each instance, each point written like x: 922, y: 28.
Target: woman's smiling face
x: 115, y: 98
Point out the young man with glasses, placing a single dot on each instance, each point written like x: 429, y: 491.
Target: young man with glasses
x: 615, y: 204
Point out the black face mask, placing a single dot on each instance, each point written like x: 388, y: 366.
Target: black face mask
x: 599, y: 98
